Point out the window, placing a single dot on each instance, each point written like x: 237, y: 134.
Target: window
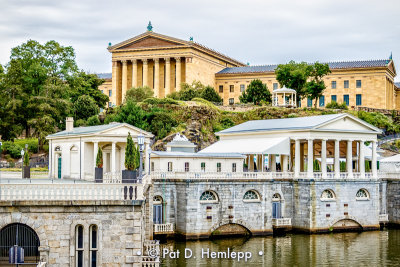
x: 109, y: 104
x: 79, y: 246
x: 251, y: 196
x: 333, y: 84
x: 322, y: 101
x: 276, y: 197
x: 221, y: 88
x: 231, y: 88
x: 186, y: 166
x: 170, y: 166
x: 333, y: 98
x: 362, y: 194
x: 309, y: 102
x: 109, y: 92
x: 157, y: 200
x: 93, y: 246
x: 346, y: 83
x: 102, y: 91
x: 219, y: 167
x: 358, y: 83
x: 242, y: 88
x: 358, y: 100
x: 299, y: 104
x: 346, y: 99
x: 233, y: 167
x: 275, y: 86
x: 209, y: 197
x: 231, y: 101
x: 203, y: 166
x: 327, y: 195
x: 152, y: 166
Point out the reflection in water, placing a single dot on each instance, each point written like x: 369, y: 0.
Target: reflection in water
x: 377, y: 248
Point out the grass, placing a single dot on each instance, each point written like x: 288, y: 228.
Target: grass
x: 20, y: 169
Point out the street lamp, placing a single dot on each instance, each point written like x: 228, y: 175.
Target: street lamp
x: 22, y: 167
x: 141, y: 147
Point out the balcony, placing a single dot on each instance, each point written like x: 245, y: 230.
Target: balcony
x: 151, y: 253
x: 282, y: 222
x: 383, y: 218
x: 166, y: 228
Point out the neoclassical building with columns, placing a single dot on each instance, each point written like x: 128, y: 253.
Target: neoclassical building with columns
x: 163, y: 63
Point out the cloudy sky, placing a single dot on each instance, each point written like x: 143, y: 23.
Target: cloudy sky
x: 254, y: 31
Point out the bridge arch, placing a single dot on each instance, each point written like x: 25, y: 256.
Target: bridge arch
x: 230, y: 228
x: 346, y: 224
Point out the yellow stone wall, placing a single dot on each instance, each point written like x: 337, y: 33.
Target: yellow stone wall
x: 105, y: 87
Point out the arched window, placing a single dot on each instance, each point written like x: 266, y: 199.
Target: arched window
x: 157, y: 200
x: 21, y: 235
x: 93, y: 243
x: 158, y: 210
x: 79, y: 246
x: 276, y: 197
x: 209, y: 197
x: 327, y: 195
x: 362, y: 194
x: 251, y: 196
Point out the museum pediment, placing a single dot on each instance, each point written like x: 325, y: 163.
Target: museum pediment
x: 149, y: 42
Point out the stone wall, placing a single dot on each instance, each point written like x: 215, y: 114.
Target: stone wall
x: 393, y: 201
x: 119, y: 227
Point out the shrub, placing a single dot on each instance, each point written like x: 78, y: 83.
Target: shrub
x: 160, y: 101
x: 161, y: 124
x: 211, y: 95
x: 32, y: 143
x: 138, y: 94
x: 227, y: 123
x: 94, y: 120
x: 336, y: 105
x: 13, y: 149
x: 80, y: 122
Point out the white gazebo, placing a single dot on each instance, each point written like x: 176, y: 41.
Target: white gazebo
x: 284, y: 97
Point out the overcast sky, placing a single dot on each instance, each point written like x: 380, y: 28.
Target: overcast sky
x: 255, y: 31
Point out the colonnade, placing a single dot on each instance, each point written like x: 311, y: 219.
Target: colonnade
x: 164, y: 75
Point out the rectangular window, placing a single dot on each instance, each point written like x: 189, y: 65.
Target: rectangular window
x: 233, y: 167
x: 203, y: 166
x: 299, y: 104
x: 93, y: 246
x: 346, y: 99
x: 333, y: 84
x: 333, y: 98
x: 309, y: 102
x: 102, y: 91
x: 152, y: 166
x: 219, y: 167
x: 231, y: 88
x: 186, y: 166
x: 358, y: 100
x: 221, y: 88
x: 231, y: 101
x: 275, y: 86
x: 346, y: 83
x: 170, y: 166
x: 358, y: 83
x: 109, y: 92
x: 109, y: 104
x: 242, y: 88
x: 322, y: 101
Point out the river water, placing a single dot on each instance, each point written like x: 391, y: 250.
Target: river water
x: 373, y: 248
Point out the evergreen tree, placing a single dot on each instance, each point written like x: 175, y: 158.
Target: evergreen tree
x: 99, y: 158
x: 211, y: 95
x: 256, y: 93
x: 130, y: 154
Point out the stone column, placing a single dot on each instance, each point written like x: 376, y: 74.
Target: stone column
x: 122, y: 158
x: 178, y: 74
x: 124, y: 79
x: 297, y: 158
x: 310, y: 158
x: 285, y: 160
x: 145, y: 72
x: 82, y: 151
x: 146, y: 158
x: 349, y: 159
x: 273, y: 163
x: 323, y: 158
x: 262, y: 163
x: 374, y: 158
x: 167, y: 76
x: 337, y: 159
x: 95, y: 148
x: 113, y: 157
x: 115, y: 83
x: 157, y: 77
x: 361, y: 160
x: 134, y: 73
x: 251, y: 163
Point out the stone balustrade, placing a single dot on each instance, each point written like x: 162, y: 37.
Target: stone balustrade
x: 282, y: 222
x: 383, y: 218
x: 163, y: 228
x: 70, y: 191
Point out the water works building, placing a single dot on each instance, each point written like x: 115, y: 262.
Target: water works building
x: 163, y: 63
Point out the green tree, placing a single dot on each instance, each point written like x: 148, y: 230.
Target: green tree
x: 316, y: 86
x: 138, y: 94
x: 161, y: 123
x: 93, y: 120
x: 131, y: 113
x: 99, y: 158
x: 294, y: 76
x: 256, y: 93
x: 26, y: 158
x: 85, y: 107
x: 211, y: 95
x: 130, y: 154
x: 188, y: 91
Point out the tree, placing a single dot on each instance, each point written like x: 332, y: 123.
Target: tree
x: 131, y: 113
x: 256, y: 93
x: 26, y: 158
x: 211, y: 95
x: 138, y: 94
x: 99, y: 158
x: 94, y: 120
x: 294, y: 76
x: 85, y: 107
x: 316, y: 86
x: 188, y: 91
x: 130, y: 154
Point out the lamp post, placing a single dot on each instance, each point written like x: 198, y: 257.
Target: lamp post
x: 22, y: 167
x: 141, y: 146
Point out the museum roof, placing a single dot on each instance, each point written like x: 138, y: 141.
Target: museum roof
x: 197, y: 155
x: 332, y: 65
x: 397, y: 85
x: 104, y: 75
x: 301, y: 123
